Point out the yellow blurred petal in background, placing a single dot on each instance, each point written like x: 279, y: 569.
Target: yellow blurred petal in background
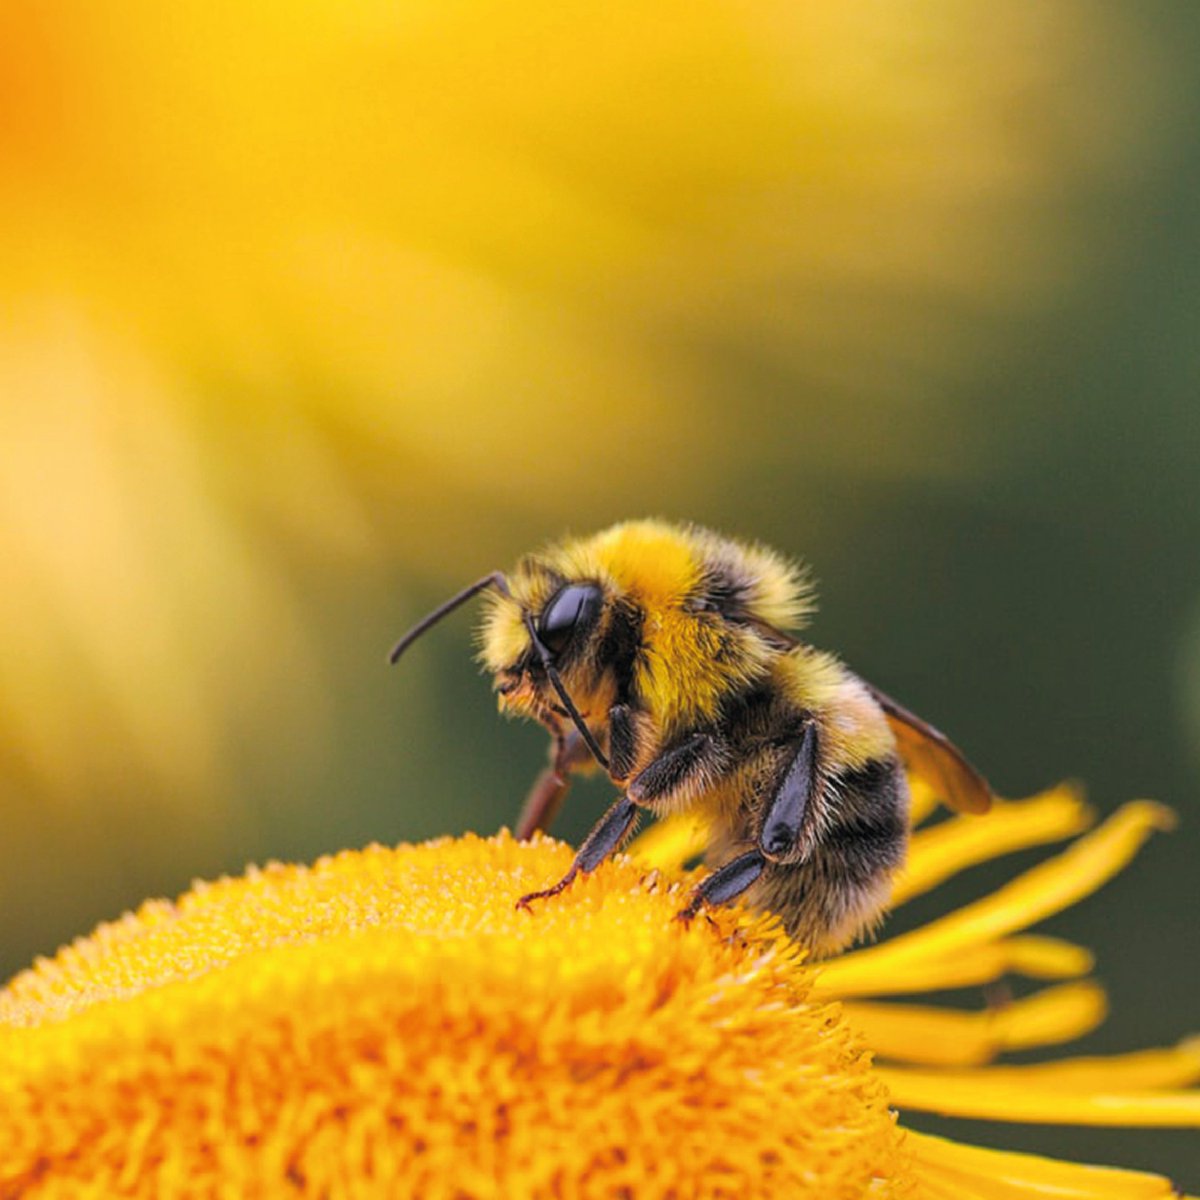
x: 275, y: 276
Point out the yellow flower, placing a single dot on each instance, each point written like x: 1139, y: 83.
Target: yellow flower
x: 386, y: 1022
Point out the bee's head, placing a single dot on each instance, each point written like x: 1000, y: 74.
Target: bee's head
x: 541, y: 640
x: 552, y: 637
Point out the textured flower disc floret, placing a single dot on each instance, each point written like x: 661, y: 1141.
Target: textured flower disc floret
x: 387, y: 1023
x: 388, y: 1018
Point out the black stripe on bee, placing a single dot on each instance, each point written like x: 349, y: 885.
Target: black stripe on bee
x: 622, y: 742
x: 619, y: 646
x: 721, y: 592
x: 871, y: 829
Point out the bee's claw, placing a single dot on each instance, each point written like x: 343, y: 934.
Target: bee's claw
x: 525, y: 904
x: 565, y: 882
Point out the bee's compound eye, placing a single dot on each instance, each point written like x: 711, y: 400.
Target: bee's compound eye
x: 570, y: 608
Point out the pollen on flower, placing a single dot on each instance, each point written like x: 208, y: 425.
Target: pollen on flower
x: 387, y: 1019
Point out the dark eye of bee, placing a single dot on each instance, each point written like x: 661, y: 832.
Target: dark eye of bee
x: 572, y: 607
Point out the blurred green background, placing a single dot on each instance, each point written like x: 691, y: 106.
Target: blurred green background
x: 312, y: 313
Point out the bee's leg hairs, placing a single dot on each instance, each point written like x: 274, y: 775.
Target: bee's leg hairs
x: 726, y: 884
x: 622, y: 741
x: 678, y: 767
x: 608, y: 833
x: 697, y: 755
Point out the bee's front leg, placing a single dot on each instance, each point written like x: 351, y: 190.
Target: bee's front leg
x: 609, y: 832
x: 682, y: 766
x: 685, y: 768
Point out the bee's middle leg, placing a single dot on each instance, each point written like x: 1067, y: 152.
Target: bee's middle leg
x: 674, y: 770
x: 725, y: 884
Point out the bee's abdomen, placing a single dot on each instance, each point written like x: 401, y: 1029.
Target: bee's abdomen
x: 869, y: 832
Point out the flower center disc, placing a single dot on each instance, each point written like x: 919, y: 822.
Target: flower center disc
x: 387, y: 1018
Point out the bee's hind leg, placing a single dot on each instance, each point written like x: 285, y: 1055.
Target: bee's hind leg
x: 725, y: 884
x: 608, y: 833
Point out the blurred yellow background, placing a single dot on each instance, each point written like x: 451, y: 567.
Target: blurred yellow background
x: 311, y: 313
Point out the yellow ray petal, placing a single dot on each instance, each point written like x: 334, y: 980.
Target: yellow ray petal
x: 670, y: 843
x: 943, y: 1187
x: 1003, y: 1173
x: 1032, y: 955
x: 945, y: 1037
x: 1040, y: 957
x: 1045, y: 889
x: 1052, y: 1015
x: 975, y: 1093
x: 923, y: 800
x: 936, y: 854
x: 1171, y: 1067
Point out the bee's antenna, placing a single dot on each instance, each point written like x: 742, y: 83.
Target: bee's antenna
x: 495, y: 579
x: 555, y: 679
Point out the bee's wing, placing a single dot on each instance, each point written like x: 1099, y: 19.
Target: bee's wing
x: 928, y: 753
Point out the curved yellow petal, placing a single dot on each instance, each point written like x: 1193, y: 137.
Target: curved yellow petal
x: 671, y: 842
x: 1045, y: 889
x: 946, y: 1037
x: 1169, y: 1067
x: 938, y: 853
x: 923, y: 800
x: 1033, y: 955
x: 1005, y: 1175
x: 942, y: 1187
x: 1040, y: 957
x: 1057, y: 1014
x: 976, y: 1093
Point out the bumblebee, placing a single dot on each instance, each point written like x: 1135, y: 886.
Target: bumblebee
x: 664, y: 654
